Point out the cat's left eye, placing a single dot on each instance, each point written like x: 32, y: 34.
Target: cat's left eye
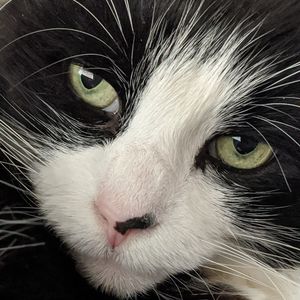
x: 93, y: 89
x: 241, y: 152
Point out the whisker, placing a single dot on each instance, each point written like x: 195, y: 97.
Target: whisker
x: 126, y: 2
x: 13, y: 233
x: 241, y: 256
x: 98, y: 21
x: 285, y: 124
x: 269, y: 106
x: 12, y: 243
x: 270, y: 242
x: 273, y: 85
x: 22, y: 208
x: 275, y: 286
x: 156, y: 292
x: 182, y: 283
x: 30, y: 221
x: 279, y: 128
x: 66, y: 73
x: 114, y: 12
x: 275, y: 155
x: 55, y: 29
x: 202, y: 281
x: 285, y: 104
x: 14, y: 187
x: 16, y: 212
x: 9, y: 248
x: 177, y: 287
x: 230, y: 271
x: 65, y: 59
x: 5, y: 4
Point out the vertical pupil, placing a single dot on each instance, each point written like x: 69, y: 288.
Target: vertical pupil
x: 90, y: 80
x: 244, y: 145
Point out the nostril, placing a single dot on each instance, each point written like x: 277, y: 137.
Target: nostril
x: 118, y: 232
x: 143, y: 222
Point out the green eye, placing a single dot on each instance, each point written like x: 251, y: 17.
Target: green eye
x: 242, y: 152
x: 93, y: 89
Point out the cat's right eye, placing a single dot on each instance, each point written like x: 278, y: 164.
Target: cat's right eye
x: 93, y: 89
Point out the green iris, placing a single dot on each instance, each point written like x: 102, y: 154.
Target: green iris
x: 93, y: 89
x: 242, y: 153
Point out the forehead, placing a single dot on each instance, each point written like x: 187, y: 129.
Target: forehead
x: 204, y: 42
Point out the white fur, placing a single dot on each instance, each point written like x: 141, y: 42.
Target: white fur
x: 255, y: 280
x: 150, y: 168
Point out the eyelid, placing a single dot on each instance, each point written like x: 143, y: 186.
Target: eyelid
x: 114, y: 108
x: 212, y: 148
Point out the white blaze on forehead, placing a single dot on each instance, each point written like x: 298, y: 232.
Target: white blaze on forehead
x: 185, y: 102
x: 192, y: 95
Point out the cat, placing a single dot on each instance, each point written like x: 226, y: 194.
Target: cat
x: 159, y: 140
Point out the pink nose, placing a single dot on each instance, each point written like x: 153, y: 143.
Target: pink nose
x: 115, y: 238
x: 117, y: 232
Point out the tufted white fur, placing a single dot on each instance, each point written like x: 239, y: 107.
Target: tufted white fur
x: 149, y: 168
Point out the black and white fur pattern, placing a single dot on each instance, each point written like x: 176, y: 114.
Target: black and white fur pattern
x: 186, y: 72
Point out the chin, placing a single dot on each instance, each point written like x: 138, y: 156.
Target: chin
x: 108, y: 275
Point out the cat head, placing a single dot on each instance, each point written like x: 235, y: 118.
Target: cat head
x: 157, y: 135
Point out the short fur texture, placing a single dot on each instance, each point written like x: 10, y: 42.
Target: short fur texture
x: 186, y: 72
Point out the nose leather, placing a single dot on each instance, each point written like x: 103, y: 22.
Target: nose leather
x: 143, y: 222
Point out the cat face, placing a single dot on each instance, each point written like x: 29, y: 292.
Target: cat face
x: 159, y: 138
